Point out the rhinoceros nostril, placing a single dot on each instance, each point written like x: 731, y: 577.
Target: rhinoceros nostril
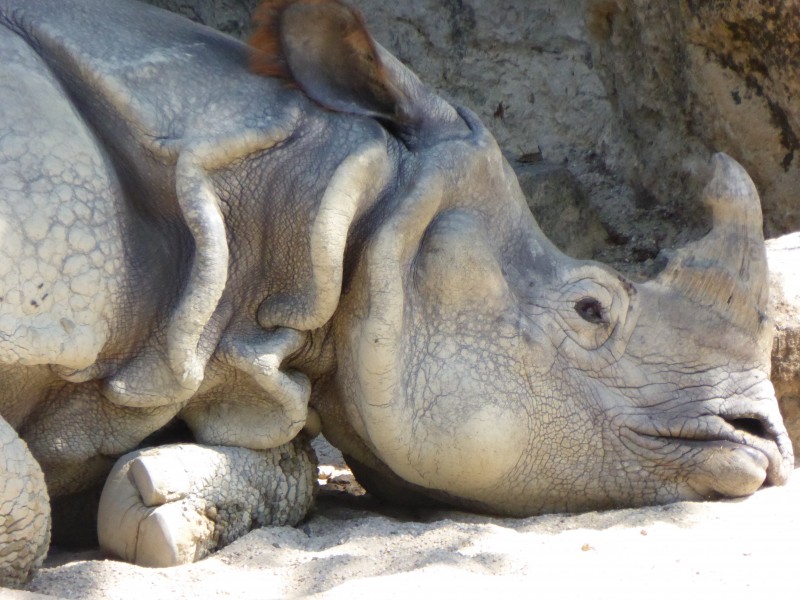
x: 752, y: 426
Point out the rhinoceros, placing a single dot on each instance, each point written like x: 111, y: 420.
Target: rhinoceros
x: 264, y: 242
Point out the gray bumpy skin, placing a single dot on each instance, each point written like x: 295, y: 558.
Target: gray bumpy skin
x: 338, y: 247
x: 24, y: 510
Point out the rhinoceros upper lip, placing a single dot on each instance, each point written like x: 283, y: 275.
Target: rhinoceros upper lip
x: 750, y: 431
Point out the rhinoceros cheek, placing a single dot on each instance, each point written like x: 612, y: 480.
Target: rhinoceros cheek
x: 469, y: 460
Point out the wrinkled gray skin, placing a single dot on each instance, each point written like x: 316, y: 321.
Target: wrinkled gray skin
x: 184, y: 239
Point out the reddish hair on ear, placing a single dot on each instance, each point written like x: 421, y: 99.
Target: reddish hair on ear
x: 266, y: 58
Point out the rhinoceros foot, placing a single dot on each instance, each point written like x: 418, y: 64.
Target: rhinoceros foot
x: 175, y: 504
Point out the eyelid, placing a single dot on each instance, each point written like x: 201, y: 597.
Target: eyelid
x: 591, y: 288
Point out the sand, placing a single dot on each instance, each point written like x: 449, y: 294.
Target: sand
x: 350, y: 547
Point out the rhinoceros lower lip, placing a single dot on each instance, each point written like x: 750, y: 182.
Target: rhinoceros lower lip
x: 727, y: 456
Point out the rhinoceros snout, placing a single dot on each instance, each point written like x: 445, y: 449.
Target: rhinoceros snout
x: 767, y: 436
x: 731, y: 454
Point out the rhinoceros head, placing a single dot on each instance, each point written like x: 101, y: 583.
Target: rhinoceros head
x: 476, y: 359
x: 479, y: 365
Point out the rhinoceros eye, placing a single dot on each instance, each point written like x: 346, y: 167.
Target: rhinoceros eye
x: 590, y: 309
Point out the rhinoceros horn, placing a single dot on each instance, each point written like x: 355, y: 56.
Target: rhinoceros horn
x: 726, y: 271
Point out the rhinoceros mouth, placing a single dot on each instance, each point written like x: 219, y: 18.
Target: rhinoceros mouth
x: 729, y: 456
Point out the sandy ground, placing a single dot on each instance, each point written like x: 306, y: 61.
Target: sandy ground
x: 352, y: 548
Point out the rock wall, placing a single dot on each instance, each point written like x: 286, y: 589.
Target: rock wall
x: 687, y: 77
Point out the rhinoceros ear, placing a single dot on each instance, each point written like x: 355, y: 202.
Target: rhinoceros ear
x: 324, y: 46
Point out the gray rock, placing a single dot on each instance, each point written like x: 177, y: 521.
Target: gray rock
x: 229, y: 16
x: 685, y: 77
x: 558, y: 201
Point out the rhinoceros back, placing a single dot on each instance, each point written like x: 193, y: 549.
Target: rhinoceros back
x: 61, y: 255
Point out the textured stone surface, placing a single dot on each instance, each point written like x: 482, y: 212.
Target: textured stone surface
x: 230, y: 16
x: 784, y: 264
x: 558, y: 201
x: 689, y: 76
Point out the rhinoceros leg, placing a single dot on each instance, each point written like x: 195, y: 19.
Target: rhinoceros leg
x: 174, y: 504
x: 77, y: 434
x: 24, y: 510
